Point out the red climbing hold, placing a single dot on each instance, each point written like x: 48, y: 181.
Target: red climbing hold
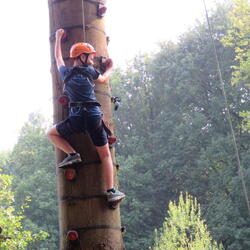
x: 63, y: 99
x: 70, y: 174
x: 111, y: 139
x: 101, y: 10
x: 72, y: 235
x: 115, y: 204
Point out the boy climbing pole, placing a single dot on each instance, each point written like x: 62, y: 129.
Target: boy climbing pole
x: 84, y: 113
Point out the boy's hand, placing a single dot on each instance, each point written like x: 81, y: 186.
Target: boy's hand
x: 109, y: 63
x: 60, y: 33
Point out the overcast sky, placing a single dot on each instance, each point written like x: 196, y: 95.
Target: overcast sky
x: 133, y: 26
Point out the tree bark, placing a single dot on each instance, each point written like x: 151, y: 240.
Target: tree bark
x: 82, y: 201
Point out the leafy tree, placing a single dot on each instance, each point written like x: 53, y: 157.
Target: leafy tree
x: 238, y: 38
x: 12, y: 234
x: 31, y: 163
x: 184, y: 228
x: 174, y: 136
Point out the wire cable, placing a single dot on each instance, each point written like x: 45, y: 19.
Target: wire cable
x: 83, y: 22
x: 241, y: 174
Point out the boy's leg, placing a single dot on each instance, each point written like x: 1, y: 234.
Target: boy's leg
x: 105, y: 156
x: 114, y: 195
x: 99, y: 139
x: 59, y: 142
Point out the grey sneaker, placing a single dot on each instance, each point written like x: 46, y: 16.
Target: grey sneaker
x: 117, y: 196
x: 69, y: 160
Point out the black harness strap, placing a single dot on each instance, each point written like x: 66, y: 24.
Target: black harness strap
x: 84, y: 104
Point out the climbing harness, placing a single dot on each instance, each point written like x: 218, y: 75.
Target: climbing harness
x: 63, y: 99
x: 241, y: 174
x: 84, y: 104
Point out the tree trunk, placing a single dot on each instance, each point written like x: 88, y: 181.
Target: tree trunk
x: 82, y: 202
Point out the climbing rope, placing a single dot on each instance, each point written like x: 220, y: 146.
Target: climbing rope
x: 241, y: 174
x: 83, y: 22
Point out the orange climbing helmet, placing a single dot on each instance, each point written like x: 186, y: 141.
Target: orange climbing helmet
x: 81, y: 48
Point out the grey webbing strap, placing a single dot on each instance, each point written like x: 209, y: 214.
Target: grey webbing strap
x: 83, y: 197
x: 85, y: 229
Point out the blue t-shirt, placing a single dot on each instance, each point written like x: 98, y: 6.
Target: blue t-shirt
x: 80, y: 88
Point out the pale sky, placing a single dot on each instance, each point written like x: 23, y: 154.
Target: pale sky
x: 133, y: 26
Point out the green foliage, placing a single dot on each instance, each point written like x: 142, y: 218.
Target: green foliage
x: 174, y: 136
x: 12, y: 235
x: 184, y: 228
x: 238, y: 38
x: 31, y: 163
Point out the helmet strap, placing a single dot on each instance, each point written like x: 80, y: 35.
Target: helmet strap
x: 81, y: 60
x: 86, y: 59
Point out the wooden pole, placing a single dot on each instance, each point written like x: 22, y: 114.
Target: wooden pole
x: 83, y: 209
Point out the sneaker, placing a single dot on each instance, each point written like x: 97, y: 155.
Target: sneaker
x: 69, y: 160
x: 116, y: 196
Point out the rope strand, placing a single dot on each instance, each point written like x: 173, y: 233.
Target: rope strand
x: 83, y: 22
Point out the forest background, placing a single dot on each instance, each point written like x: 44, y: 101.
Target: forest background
x: 174, y: 137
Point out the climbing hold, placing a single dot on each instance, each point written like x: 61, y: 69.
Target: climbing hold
x: 123, y: 229
x: 114, y: 204
x: 111, y: 139
x: 107, y: 40
x: 70, y: 174
x: 63, y: 99
x: 72, y: 235
x: 101, y: 10
x: 102, y: 61
x: 116, y: 101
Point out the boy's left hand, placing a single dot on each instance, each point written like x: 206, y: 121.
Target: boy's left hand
x: 109, y: 63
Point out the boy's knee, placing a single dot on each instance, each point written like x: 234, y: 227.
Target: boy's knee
x: 49, y: 133
x: 52, y: 132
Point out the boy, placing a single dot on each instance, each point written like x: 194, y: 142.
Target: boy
x: 84, y: 113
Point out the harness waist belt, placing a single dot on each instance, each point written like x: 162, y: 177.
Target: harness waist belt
x: 84, y: 104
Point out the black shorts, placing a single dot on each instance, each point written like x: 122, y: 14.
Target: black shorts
x: 79, y: 124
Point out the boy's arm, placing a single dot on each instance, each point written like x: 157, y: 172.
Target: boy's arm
x: 106, y: 75
x: 58, y: 51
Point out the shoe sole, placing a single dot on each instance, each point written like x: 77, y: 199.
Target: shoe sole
x: 69, y: 163
x: 118, y: 198
x: 115, y: 204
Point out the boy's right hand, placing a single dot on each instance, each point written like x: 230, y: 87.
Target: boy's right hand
x: 60, y: 33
